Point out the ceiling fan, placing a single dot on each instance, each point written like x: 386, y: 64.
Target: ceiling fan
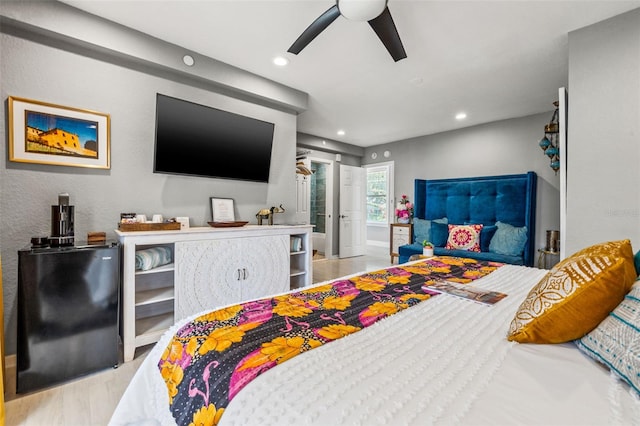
x: 375, y: 12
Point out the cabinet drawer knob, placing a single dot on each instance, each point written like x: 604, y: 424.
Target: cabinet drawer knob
x: 242, y: 274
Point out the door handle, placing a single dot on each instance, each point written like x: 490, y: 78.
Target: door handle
x: 342, y: 216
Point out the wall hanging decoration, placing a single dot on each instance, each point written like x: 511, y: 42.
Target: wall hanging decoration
x: 44, y: 133
x: 549, y: 143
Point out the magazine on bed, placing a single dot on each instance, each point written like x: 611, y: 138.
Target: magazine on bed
x: 465, y: 291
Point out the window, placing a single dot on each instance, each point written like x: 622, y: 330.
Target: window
x: 379, y: 192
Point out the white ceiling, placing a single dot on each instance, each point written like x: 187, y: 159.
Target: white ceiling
x: 491, y: 59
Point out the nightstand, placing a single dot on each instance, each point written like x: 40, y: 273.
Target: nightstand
x: 547, y: 258
x: 400, y: 235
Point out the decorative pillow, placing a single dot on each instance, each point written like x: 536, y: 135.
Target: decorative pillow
x: 576, y: 295
x: 439, y: 233
x: 636, y: 260
x: 508, y: 240
x: 485, y: 235
x: 464, y: 237
x: 421, y: 230
x: 615, y: 342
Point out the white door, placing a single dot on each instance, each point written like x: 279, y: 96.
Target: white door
x: 352, y: 211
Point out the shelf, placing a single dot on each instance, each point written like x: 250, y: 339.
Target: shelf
x: 296, y: 282
x: 295, y: 273
x: 164, y: 268
x: 154, y: 296
x: 149, y: 330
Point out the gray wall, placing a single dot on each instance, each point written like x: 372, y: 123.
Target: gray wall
x: 50, y: 74
x: 603, y: 172
x: 503, y: 147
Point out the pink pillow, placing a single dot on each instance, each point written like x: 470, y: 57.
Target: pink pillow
x: 464, y: 237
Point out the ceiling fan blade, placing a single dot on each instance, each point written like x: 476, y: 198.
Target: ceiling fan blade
x: 314, y: 29
x: 387, y: 33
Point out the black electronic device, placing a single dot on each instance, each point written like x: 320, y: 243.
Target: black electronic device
x: 198, y: 140
x: 62, y: 216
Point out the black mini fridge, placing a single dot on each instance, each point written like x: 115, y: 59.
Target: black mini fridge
x: 68, y: 310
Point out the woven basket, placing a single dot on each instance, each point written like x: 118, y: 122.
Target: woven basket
x: 166, y: 226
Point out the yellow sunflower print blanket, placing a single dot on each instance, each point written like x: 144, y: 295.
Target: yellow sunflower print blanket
x: 210, y: 359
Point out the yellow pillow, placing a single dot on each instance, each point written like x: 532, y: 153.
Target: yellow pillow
x: 576, y: 295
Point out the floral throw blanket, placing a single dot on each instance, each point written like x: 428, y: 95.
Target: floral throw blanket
x: 210, y: 359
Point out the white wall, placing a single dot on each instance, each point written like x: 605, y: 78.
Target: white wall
x: 39, y: 72
x: 603, y: 168
x: 498, y: 148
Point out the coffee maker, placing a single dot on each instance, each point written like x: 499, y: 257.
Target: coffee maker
x: 61, y: 223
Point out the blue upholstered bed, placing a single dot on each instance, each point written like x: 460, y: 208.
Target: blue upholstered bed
x: 502, y: 204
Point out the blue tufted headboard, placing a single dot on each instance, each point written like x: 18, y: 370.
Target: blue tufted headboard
x: 486, y: 200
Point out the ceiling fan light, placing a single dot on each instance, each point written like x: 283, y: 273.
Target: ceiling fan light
x: 361, y: 10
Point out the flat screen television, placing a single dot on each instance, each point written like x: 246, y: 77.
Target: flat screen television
x: 198, y: 140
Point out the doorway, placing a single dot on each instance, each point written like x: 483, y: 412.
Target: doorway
x: 321, y: 208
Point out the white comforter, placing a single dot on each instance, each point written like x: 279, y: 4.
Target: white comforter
x: 445, y: 361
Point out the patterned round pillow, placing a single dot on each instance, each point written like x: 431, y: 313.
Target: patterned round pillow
x: 464, y: 237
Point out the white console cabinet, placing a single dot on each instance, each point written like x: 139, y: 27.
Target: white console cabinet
x: 212, y: 267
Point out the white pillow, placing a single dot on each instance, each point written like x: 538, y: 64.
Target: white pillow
x: 615, y: 342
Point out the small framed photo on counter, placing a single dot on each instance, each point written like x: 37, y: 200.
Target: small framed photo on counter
x: 222, y: 210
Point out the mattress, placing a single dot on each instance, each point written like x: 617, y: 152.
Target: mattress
x: 444, y: 361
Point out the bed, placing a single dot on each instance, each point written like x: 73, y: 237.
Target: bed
x: 440, y: 360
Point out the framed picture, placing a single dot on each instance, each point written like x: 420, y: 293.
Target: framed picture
x: 44, y: 133
x: 222, y: 210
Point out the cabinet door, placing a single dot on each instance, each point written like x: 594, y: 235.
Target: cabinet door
x: 203, y: 276
x: 215, y: 273
x: 266, y: 260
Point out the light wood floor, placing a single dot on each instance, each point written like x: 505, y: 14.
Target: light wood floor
x: 91, y: 400
x: 377, y: 257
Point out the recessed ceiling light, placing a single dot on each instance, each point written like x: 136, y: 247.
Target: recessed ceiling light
x: 461, y: 116
x: 341, y: 133
x: 280, y: 61
x: 188, y: 60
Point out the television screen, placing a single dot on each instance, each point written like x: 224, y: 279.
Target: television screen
x: 197, y: 140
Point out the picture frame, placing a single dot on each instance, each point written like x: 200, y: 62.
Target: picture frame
x: 44, y: 133
x: 222, y: 210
